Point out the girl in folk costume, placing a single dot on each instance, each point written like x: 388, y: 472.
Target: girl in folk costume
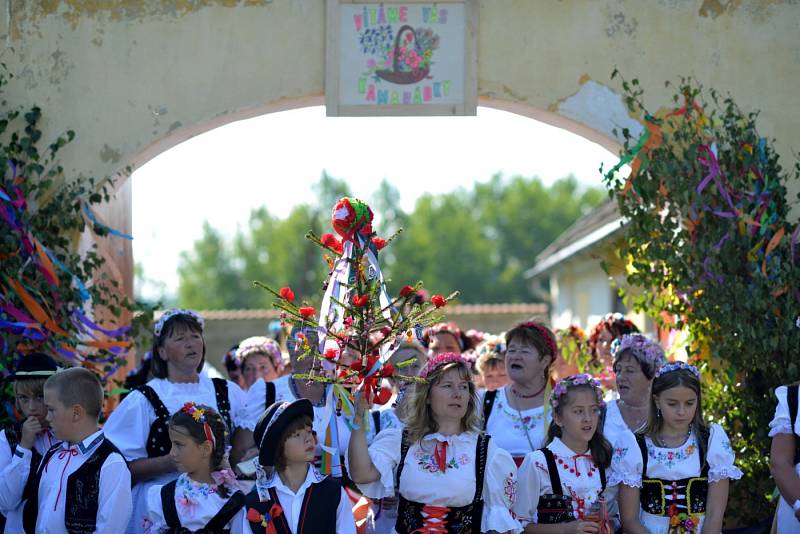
x: 451, y: 478
x: 204, y: 498
x: 292, y: 497
x: 562, y: 485
x: 139, y: 426
x: 674, y: 475
x: 515, y: 415
x: 31, y: 439
x: 784, y: 458
x: 636, y: 361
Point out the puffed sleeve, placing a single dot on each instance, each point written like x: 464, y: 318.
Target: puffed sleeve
x: 390, y: 420
x: 238, y: 400
x: 255, y: 398
x: 720, y: 456
x: 781, y: 423
x: 499, y: 491
x: 529, y: 484
x: 14, y: 470
x: 153, y: 521
x: 385, y: 455
x: 129, y: 425
x: 626, y: 462
x: 115, y: 502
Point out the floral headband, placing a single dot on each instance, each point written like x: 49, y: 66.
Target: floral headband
x: 580, y: 379
x: 677, y: 366
x: 169, y: 314
x: 199, y: 415
x: 643, y: 348
x: 447, y: 328
x: 260, y: 345
x: 442, y: 359
x: 545, y: 332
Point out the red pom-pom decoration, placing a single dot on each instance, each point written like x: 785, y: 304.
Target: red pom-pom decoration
x: 406, y: 291
x: 351, y: 215
x: 387, y: 370
x: 359, y: 301
x: 382, y: 396
x: 253, y: 516
x: 379, y: 243
x: 330, y: 241
x: 286, y: 293
x: 331, y: 353
x: 438, y: 301
x: 307, y: 311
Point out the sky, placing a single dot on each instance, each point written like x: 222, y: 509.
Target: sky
x: 274, y: 160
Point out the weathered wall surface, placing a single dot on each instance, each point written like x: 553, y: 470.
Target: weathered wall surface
x: 134, y: 77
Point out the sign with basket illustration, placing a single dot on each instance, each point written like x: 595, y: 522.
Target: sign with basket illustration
x: 410, y: 58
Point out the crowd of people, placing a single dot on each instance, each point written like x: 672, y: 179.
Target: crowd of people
x: 496, y: 433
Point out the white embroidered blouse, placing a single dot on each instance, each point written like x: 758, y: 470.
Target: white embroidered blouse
x: 517, y: 431
x: 580, y: 479
x: 422, y: 481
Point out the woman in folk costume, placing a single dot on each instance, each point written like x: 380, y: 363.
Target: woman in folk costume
x: 451, y: 477
x: 139, y: 426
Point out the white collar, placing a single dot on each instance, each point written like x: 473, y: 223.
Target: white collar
x: 87, y: 445
x: 561, y: 448
x: 463, y: 437
x: 312, y: 477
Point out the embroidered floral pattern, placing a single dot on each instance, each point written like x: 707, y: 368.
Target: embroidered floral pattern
x: 509, y: 490
x: 427, y: 462
x: 619, y: 454
x: 188, y: 493
x: 523, y: 423
x: 726, y: 445
x: 670, y: 457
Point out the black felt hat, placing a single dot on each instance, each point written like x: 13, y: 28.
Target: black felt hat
x: 34, y: 365
x: 273, y: 422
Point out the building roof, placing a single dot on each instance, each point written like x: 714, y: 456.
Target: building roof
x: 590, y: 229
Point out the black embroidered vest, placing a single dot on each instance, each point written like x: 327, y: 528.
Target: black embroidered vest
x: 457, y: 520
x: 656, y: 495
x: 82, y: 495
x: 557, y: 507
x: 317, y: 515
x: 158, y: 443
x: 215, y: 525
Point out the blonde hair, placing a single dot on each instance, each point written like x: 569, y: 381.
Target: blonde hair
x: 419, y: 419
x: 32, y: 387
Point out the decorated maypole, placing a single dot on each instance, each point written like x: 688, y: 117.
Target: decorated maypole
x: 359, y: 322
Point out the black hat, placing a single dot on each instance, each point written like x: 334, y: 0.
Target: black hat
x: 34, y: 365
x: 273, y: 422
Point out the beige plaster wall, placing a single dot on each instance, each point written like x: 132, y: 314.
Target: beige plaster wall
x: 134, y: 77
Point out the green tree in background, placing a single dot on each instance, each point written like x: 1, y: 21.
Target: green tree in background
x: 478, y: 241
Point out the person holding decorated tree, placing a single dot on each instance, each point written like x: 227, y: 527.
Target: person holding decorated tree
x: 451, y: 478
x: 612, y: 326
x: 636, y: 361
x: 515, y: 414
x: 674, y: 475
x: 139, y: 425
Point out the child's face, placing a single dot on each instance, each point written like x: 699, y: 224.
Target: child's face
x: 61, y: 418
x: 495, y: 377
x: 188, y: 455
x: 32, y: 405
x: 678, y: 406
x: 579, y: 416
x: 300, y: 446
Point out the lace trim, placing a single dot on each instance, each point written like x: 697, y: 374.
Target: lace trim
x: 730, y: 472
x: 634, y: 481
x: 781, y: 428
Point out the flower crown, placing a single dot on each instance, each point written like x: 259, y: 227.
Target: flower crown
x: 199, y: 415
x: 643, y: 348
x: 260, y: 345
x: 677, y: 366
x: 439, y: 360
x: 230, y: 358
x: 446, y: 328
x: 169, y: 314
x: 545, y: 332
x: 563, y: 387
